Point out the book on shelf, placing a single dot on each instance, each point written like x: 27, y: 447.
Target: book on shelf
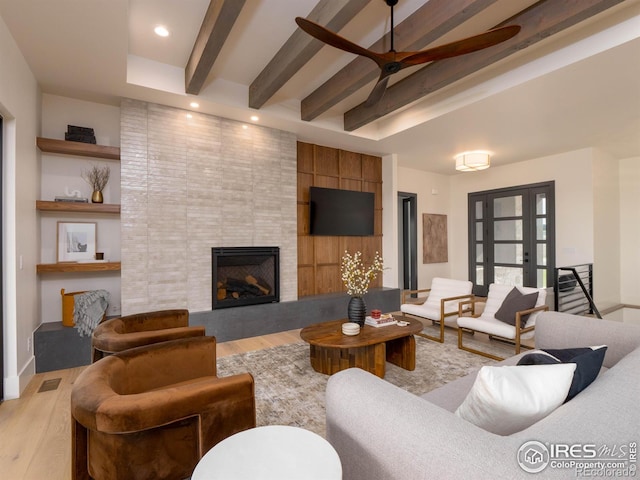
x: 71, y: 199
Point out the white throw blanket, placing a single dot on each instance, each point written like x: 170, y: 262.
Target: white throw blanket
x: 89, y: 309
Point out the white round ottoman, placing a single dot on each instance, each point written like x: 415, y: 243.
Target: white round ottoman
x: 273, y: 452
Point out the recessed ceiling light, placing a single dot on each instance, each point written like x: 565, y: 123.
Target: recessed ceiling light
x: 254, y: 118
x: 194, y: 104
x: 245, y: 127
x: 161, y: 31
x: 189, y: 115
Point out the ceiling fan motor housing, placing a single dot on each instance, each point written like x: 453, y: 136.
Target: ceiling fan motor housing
x: 392, y: 67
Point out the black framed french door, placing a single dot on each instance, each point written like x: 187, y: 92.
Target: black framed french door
x: 512, y: 236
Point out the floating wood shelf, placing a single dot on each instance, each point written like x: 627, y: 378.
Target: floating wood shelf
x: 52, y: 145
x: 72, y: 207
x: 71, y: 267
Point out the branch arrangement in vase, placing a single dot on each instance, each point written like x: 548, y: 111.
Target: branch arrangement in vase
x: 97, y: 177
x: 356, y: 276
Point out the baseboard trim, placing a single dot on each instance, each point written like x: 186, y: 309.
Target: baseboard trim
x: 14, y: 386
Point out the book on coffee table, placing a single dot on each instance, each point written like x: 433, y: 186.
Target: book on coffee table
x: 380, y: 322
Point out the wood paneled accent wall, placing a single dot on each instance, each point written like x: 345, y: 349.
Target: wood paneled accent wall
x: 319, y: 257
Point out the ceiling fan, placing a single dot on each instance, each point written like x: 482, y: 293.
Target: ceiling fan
x: 392, y: 62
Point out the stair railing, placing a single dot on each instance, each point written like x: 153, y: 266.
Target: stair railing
x: 568, y: 298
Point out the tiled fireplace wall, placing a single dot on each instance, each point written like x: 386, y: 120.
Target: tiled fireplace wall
x: 190, y: 184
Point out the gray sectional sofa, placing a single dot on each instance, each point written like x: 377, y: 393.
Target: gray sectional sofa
x: 383, y: 432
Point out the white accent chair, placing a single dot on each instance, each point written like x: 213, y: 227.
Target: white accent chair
x: 441, y: 304
x: 486, y: 322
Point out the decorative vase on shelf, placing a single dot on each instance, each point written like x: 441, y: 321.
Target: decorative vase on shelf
x: 357, y: 310
x: 97, y: 177
x: 96, y: 197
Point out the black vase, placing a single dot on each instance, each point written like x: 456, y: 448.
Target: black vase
x: 357, y: 310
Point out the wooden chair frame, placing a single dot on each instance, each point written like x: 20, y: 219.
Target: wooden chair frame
x: 519, y: 330
x: 443, y: 315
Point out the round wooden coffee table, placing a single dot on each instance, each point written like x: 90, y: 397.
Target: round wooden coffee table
x: 331, y: 351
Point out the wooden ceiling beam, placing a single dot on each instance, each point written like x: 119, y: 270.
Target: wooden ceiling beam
x: 538, y: 22
x: 215, y: 28
x: 426, y: 24
x: 300, y: 48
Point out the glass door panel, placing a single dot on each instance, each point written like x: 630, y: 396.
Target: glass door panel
x: 508, y: 253
x: 510, y: 206
x: 541, y: 254
x: 542, y: 277
x: 508, y: 275
x: 507, y: 230
x: 541, y: 204
x: 479, y: 227
x: 541, y: 228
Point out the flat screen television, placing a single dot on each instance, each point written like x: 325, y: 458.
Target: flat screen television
x: 340, y: 212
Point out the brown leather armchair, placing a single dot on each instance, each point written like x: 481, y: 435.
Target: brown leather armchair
x: 119, y: 334
x: 152, y: 412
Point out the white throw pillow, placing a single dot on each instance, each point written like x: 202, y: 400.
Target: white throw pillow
x: 508, y: 399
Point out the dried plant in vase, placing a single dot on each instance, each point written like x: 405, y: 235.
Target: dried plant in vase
x: 356, y: 277
x: 97, y: 177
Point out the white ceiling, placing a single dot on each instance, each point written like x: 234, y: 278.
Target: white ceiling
x: 578, y: 89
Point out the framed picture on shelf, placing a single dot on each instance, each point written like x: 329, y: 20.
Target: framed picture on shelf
x: 76, y: 241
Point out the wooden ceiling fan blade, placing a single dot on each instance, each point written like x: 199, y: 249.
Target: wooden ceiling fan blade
x: 335, y: 40
x: 378, y: 91
x: 461, y: 47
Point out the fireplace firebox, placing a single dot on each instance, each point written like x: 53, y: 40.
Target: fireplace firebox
x: 245, y: 276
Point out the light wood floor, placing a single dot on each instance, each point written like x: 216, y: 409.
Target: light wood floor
x: 35, y: 430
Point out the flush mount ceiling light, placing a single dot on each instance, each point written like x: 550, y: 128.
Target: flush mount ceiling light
x: 254, y: 118
x: 194, y: 104
x: 161, y: 31
x: 472, y: 161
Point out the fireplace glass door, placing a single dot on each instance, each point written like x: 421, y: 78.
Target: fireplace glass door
x: 245, y: 276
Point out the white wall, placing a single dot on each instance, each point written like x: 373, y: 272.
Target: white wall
x: 390, y: 221
x: 433, y: 194
x: 19, y: 106
x: 629, y: 230
x: 61, y: 172
x: 606, y: 230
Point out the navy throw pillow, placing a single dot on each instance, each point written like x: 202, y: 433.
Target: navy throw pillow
x: 588, y: 362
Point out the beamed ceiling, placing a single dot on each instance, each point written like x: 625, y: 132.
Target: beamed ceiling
x: 242, y: 57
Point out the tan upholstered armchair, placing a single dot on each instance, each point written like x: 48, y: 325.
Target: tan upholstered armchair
x: 152, y: 412
x: 119, y: 334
